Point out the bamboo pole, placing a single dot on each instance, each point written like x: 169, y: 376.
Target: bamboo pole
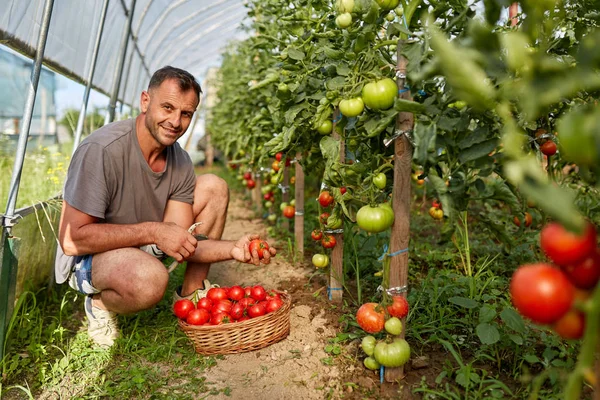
x: 299, y: 196
x: 336, y: 271
x: 401, y: 200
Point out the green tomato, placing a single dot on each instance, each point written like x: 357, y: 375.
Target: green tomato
x: 380, y: 180
x: 352, y: 107
x: 374, y: 219
x: 579, y: 137
x: 325, y: 128
x: 390, y: 17
x: 388, y: 4
x: 293, y: 202
x: 380, y: 95
x: 275, y: 179
x: 371, y: 363
x: 368, y: 344
x: 334, y: 222
x: 283, y: 205
x: 393, y: 326
x: 272, y: 217
x: 392, y: 355
x: 266, y: 189
x: 399, y: 11
x: 320, y: 260
x: 268, y: 204
x: 344, y: 20
x: 344, y: 6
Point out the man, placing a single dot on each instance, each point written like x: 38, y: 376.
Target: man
x: 129, y: 198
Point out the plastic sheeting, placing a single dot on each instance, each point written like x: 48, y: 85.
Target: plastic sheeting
x: 188, y: 34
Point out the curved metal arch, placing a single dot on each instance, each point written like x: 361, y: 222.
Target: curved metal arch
x: 158, y: 23
x: 208, y: 55
x: 143, y: 16
x: 194, y: 39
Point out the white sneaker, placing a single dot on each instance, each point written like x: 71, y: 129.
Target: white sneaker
x: 196, y: 294
x: 153, y: 250
x: 102, y: 324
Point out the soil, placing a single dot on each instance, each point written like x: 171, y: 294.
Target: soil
x: 298, y: 367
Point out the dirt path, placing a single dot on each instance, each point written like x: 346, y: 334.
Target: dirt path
x: 292, y: 368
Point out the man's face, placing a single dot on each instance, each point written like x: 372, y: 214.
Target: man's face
x: 169, y: 111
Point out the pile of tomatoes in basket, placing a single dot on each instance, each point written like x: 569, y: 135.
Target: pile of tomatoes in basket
x: 228, y: 304
x: 557, y: 293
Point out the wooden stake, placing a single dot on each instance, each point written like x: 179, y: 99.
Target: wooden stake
x: 336, y: 270
x: 285, y: 192
x: 401, y: 200
x: 299, y: 196
x: 256, y: 194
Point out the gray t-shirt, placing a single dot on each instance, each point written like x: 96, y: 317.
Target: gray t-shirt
x: 109, y: 178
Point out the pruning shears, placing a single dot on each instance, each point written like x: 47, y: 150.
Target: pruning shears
x: 198, y: 236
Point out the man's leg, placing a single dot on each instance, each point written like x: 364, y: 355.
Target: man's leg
x: 211, y: 199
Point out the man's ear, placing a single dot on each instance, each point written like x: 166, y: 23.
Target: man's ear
x: 144, y: 101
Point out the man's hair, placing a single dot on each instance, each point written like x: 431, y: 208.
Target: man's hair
x: 185, y: 79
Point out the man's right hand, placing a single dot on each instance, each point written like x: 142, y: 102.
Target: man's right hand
x: 175, y: 241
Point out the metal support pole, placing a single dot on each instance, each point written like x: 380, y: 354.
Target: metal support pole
x: 7, y: 258
x: 86, y: 94
x: 125, y: 83
x: 120, y: 64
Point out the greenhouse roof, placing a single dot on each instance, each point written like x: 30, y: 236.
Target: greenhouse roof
x: 189, y: 34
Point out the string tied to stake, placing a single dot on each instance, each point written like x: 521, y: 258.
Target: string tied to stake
x: 395, y: 253
x: 329, y: 289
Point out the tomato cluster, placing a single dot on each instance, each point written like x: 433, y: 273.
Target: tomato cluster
x: 228, y: 304
x: 550, y: 293
x: 435, y: 211
x: 392, y: 351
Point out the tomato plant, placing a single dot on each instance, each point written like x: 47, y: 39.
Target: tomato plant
x: 565, y: 247
x: 182, y: 308
x: 541, y: 292
x: 260, y: 246
x: 370, y: 317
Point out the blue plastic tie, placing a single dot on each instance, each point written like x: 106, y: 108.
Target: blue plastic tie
x: 329, y: 289
x: 338, y: 119
x: 385, y: 249
x: 422, y: 92
x: 400, y: 91
x: 381, y: 372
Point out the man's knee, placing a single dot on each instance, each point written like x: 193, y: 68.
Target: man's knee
x: 212, y: 185
x: 149, y: 284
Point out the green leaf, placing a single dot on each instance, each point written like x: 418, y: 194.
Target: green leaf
x: 463, y: 302
x: 532, y: 359
x: 480, y: 134
x: 296, y: 54
x: 477, y: 151
x: 292, y: 113
x: 424, y: 136
x: 517, y: 339
x: 403, y: 105
x: 336, y: 83
x: 486, y: 313
x: 513, y: 320
x: 487, y: 333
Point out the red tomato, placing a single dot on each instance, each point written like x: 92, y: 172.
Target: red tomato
x: 247, y: 301
x: 247, y: 175
x: 182, y: 308
x: 328, y: 241
x: 237, y: 311
x: 289, y: 211
x: 258, y: 293
x: 236, y: 293
x: 541, y: 292
x: 205, y: 303
x: 316, y: 235
x: 288, y: 162
x: 571, y: 325
x: 273, y: 305
x: 220, y: 318
x: 244, y: 318
x: 260, y: 246
x: 370, y: 317
x: 247, y: 291
x: 325, y: 198
x: 585, y: 274
x: 399, y: 307
x: 271, y: 294
x: 323, y: 218
x: 528, y: 220
x: 198, y: 316
x: 216, y: 294
x: 343, y: 190
x: 222, y: 306
x: 250, y: 183
x: 275, y: 165
x: 548, y: 148
x: 256, y: 310
x: 279, y: 156
x: 565, y: 247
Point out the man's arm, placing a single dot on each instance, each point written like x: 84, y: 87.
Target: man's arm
x: 80, y: 233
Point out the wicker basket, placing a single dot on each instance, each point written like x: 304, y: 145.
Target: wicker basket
x: 239, y: 337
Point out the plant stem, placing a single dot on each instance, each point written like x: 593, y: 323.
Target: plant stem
x: 586, y: 358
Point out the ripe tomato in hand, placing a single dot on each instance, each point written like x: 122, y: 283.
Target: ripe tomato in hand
x: 399, y: 307
x: 198, y: 316
x: 258, y: 293
x: 260, y: 246
x: 316, y: 235
x: 541, y: 292
x: 370, y: 317
x: 182, y: 308
x: 328, y: 242
x: 325, y: 198
x: 565, y: 247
